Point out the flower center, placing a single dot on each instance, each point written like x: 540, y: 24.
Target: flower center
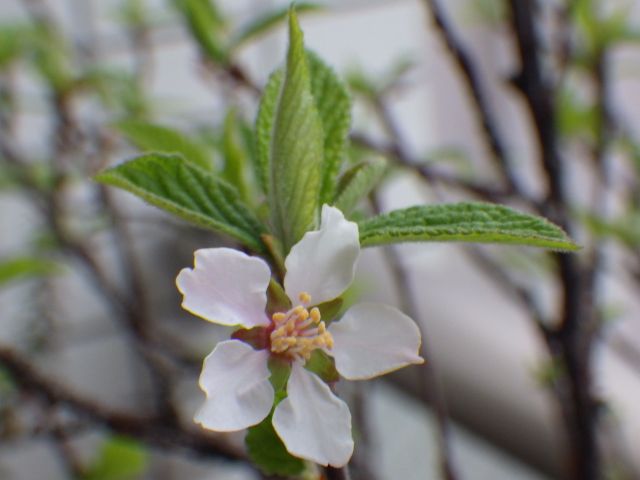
x: 298, y: 332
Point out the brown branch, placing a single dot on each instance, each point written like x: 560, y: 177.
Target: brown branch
x: 361, y: 464
x: 571, y: 342
x: 428, y: 381
x: 337, y: 473
x: 472, y: 81
x: 429, y: 384
x: 540, y: 100
x: 432, y: 174
x: 507, y: 284
x: 155, y: 431
x: 70, y: 461
x: 137, y: 315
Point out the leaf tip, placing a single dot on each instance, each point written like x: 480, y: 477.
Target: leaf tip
x: 295, y: 32
x: 101, y: 177
x: 568, y: 247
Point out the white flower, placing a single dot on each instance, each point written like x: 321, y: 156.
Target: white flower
x: 229, y: 288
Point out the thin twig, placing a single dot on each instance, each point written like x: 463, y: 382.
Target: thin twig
x: 472, y: 80
x: 430, y: 388
x: 494, y: 271
x: 429, y: 383
x: 572, y: 340
x: 337, y: 473
x: 149, y: 429
x: 432, y: 174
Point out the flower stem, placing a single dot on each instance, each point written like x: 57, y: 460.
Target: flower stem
x: 337, y: 473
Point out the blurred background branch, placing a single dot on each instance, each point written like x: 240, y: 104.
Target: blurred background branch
x: 85, y: 265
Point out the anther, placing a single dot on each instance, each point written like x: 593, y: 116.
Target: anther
x: 298, y: 332
x: 305, y: 298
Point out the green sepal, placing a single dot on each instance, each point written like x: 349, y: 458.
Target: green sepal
x: 264, y: 446
x: 277, y: 299
x: 280, y: 370
x: 323, y: 365
x: 329, y: 310
x: 268, y: 453
x: 274, y: 247
x: 256, y: 337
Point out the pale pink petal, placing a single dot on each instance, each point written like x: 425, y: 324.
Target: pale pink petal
x: 226, y: 287
x: 372, y: 339
x: 312, y: 422
x: 235, y: 378
x: 323, y: 262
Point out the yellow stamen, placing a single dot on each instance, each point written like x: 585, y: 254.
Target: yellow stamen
x: 305, y: 298
x: 298, y: 332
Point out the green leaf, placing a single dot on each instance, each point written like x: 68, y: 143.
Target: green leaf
x: 235, y: 155
x: 548, y: 372
x: 264, y: 23
x: 119, y: 459
x: 334, y: 106
x: 625, y: 229
x: 360, y: 82
x: 118, y: 90
x: 9, y: 175
x: 50, y: 56
x: 601, y: 26
x: 177, y: 186
x: 13, y: 39
x: 267, y: 451
x: 264, y: 127
x: 206, y: 25
x: 296, y: 153
x: 156, y: 138
x: 463, y: 222
x: 248, y: 137
x: 21, y: 268
x: 357, y: 182
x: 373, y: 85
x: 7, y: 388
x: 489, y: 13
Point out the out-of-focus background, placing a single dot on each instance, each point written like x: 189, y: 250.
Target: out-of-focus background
x: 533, y: 358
